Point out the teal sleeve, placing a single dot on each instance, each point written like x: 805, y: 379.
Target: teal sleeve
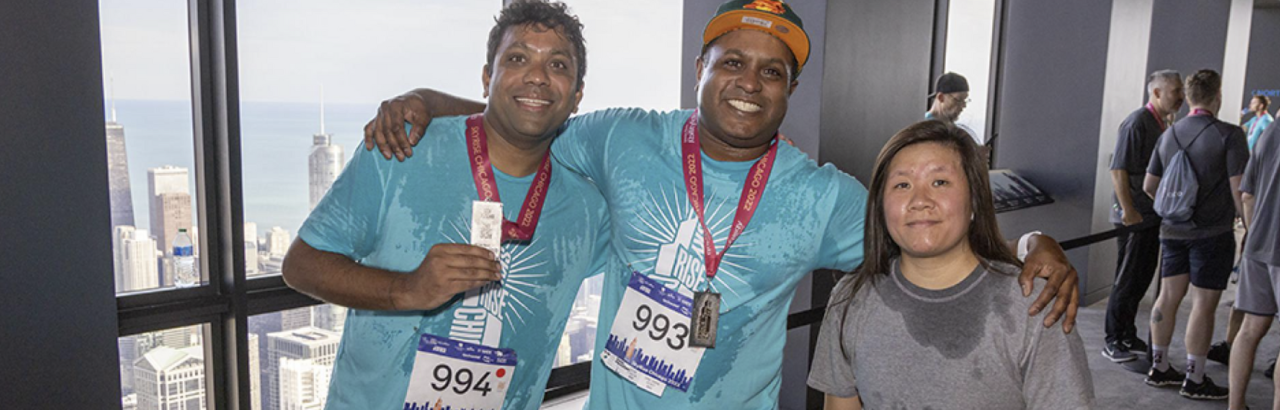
x: 581, y: 145
x: 600, y: 253
x: 842, y: 241
x: 346, y: 221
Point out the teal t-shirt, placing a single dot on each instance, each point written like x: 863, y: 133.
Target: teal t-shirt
x: 810, y: 218
x: 388, y: 214
x: 1255, y: 126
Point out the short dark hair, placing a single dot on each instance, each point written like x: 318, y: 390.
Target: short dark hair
x: 1266, y: 101
x: 1203, y: 86
x: 552, y: 15
x: 795, y: 64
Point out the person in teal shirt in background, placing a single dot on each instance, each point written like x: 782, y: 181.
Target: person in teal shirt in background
x: 390, y: 239
x: 809, y: 217
x: 1261, y: 119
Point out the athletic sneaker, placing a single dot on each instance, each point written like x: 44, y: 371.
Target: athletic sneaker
x: 1118, y: 352
x: 1169, y: 377
x: 1220, y: 352
x: 1136, y: 346
x: 1202, y: 391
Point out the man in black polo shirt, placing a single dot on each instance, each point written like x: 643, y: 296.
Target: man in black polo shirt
x: 1199, y: 251
x: 1140, y: 249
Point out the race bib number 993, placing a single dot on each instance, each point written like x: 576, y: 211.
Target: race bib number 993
x: 649, y: 341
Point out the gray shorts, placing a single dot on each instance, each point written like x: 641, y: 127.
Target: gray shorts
x: 1259, y: 285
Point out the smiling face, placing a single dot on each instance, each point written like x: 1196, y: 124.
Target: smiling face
x: 532, y: 85
x: 744, y: 81
x: 926, y: 201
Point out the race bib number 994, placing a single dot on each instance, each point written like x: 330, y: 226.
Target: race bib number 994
x: 456, y: 375
x: 649, y: 341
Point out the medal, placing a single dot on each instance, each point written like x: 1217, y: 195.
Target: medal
x: 706, y: 317
x: 488, y: 228
x: 706, y: 306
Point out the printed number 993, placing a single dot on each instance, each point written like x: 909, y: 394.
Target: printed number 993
x: 462, y: 379
x: 659, y: 325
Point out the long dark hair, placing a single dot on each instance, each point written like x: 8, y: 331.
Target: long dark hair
x: 879, y: 249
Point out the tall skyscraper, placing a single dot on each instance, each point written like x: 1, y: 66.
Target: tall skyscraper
x: 318, y: 345
x: 170, y: 203
x: 170, y: 379
x: 329, y: 317
x: 297, y: 318
x: 250, y: 248
x: 255, y: 374
x: 118, y: 173
x: 304, y: 384
x: 135, y: 259
x: 278, y: 241
x: 325, y: 162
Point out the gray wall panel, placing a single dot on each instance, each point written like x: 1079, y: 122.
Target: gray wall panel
x: 877, y: 77
x: 59, y: 321
x: 1263, y: 71
x: 1188, y: 35
x: 1051, y: 98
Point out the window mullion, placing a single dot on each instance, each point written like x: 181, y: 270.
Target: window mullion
x: 216, y: 113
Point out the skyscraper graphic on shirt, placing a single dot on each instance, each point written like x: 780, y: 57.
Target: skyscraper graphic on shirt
x: 666, y: 234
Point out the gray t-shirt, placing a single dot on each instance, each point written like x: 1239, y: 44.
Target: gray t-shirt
x: 970, y: 346
x: 1220, y: 153
x: 1262, y: 180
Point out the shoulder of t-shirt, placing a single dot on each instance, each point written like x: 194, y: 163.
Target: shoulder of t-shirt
x: 795, y: 163
x: 631, y: 117
x: 577, y: 185
x: 1137, y: 119
x: 1006, y: 274
x: 445, y: 128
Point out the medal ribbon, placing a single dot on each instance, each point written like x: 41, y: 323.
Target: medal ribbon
x: 752, y: 192
x: 487, y: 186
x: 1154, y: 113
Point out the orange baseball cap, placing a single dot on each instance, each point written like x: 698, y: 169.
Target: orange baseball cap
x: 770, y: 16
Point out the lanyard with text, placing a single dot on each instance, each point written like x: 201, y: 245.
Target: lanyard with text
x: 487, y: 186
x: 706, y: 305
x: 1154, y: 113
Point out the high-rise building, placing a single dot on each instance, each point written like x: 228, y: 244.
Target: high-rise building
x: 304, y: 384
x: 118, y: 173
x: 329, y: 317
x: 250, y: 248
x: 135, y: 259
x: 318, y: 345
x: 170, y: 203
x: 255, y: 374
x: 325, y: 162
x: 277, y: 241
x: 170, y: 379
x: 297, y: 318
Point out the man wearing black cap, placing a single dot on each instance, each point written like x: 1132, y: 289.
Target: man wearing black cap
x: 684, y: 188
x: 950, y: 97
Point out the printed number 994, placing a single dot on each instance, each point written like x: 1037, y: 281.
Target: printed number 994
x: 658, y: 326
x: 462, y: 380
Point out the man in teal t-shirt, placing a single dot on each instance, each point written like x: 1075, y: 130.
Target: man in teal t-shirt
x: 445, y: 319
x: 806, y: 218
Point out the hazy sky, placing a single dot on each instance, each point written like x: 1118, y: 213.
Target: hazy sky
x: 363, y: 52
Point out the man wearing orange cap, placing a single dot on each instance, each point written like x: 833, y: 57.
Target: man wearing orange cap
x: 698, y: 284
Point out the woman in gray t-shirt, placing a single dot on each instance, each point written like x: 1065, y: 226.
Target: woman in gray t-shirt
x: 934, y: 317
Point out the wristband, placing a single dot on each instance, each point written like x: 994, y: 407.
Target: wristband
x: 1023, y: 243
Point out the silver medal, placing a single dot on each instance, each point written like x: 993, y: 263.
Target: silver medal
x: 705, y: 319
